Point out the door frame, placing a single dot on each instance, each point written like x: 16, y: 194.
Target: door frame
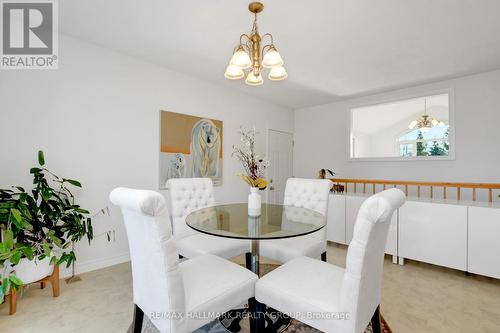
x: 268, y: 150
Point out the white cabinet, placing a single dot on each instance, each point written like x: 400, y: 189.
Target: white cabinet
x: 352, y: 205
x: 335, y: 231
x: 464, y: 236
x: 434, y: 233
x: 484, y: 244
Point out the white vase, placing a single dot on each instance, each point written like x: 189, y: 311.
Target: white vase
x: 33, y: 270
x: 254, y: 202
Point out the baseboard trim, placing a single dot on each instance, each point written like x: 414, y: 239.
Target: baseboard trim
x: 92, y: 265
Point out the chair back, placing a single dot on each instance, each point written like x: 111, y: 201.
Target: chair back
x: 309, y: 193
x: 157, y: 280
x: 186, y: 195
x: 362, y: 282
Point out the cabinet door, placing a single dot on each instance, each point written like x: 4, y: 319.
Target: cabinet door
x: 433, y: 233
x: 335, y: 231
x: 484, y: 244
x: 353, y: 203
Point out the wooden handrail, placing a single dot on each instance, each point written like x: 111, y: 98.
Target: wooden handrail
x: 474, y: 186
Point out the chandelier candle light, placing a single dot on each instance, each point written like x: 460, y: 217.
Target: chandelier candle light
x: 249, y: 55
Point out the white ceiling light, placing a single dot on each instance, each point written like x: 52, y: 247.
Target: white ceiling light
x: 249, y: 55
x: 254, y: 80
x: 234, y: 73
x: 278, y: 73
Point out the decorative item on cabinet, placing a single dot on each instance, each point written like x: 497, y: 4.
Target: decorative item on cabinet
x: 336, y: 188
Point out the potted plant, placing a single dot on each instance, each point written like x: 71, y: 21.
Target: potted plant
x: 254, y: 169
x: 39, y: 227
x: 322, y: 173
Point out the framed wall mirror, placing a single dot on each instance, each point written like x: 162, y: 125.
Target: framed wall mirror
x: 415, y: 128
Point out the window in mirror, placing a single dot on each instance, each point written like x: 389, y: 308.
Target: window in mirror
x: 416, y: 128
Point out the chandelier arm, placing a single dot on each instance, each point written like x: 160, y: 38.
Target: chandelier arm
x: 266, y: 48
x: 270, y: 36
x: 243, y: 36
x: 245, y: 47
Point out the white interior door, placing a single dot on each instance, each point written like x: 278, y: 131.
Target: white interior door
x: 280, y: 152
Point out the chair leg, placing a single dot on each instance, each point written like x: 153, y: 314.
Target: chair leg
x: 13, y: 300
x: 376, y: 321
x: 248, y: 260
x: 323, y: 256
x: 138, y: 318
x: 54, y: 281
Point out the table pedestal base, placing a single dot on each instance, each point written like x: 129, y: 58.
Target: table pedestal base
x: 262, y: 320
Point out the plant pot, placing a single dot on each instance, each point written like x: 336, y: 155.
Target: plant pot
x: 30, y: 271
x: 254, y: 202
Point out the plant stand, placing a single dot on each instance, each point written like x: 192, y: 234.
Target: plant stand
x: 53, y: 279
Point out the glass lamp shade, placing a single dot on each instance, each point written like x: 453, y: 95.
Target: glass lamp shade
x: 413, y: 124
x: 278, y: 73
x: 234, y: 73
x: 435, y: 122
x: 241, y: 59
x: 272, y: 59
x: 254, y: 80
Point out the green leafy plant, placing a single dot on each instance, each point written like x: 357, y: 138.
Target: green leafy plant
x: 40, y: 223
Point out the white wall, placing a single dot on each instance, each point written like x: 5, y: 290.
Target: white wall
x: 477, y: 118
x: 97, y: 119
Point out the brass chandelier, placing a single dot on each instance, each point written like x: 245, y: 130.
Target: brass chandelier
x: 249, y: 55
x: 425, y: 122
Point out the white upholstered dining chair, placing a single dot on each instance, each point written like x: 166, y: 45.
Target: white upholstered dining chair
x: 304, y: 193
x: 330, y: 298
x: 187, y: 195
x: 175, y: 296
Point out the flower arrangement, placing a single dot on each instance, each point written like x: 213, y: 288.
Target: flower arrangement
x: 254, y: 166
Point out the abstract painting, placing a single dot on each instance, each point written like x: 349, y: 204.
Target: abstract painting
x: 189, y: 147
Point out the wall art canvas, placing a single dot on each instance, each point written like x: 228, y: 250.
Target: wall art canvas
x: 189, y: 147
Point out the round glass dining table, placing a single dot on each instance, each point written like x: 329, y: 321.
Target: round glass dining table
x: 274, y: 222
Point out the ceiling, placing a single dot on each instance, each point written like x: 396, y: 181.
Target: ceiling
x: 376, y: 118
x: 333, y: 49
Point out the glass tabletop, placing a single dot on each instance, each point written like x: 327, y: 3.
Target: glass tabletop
x: 275, y: 221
